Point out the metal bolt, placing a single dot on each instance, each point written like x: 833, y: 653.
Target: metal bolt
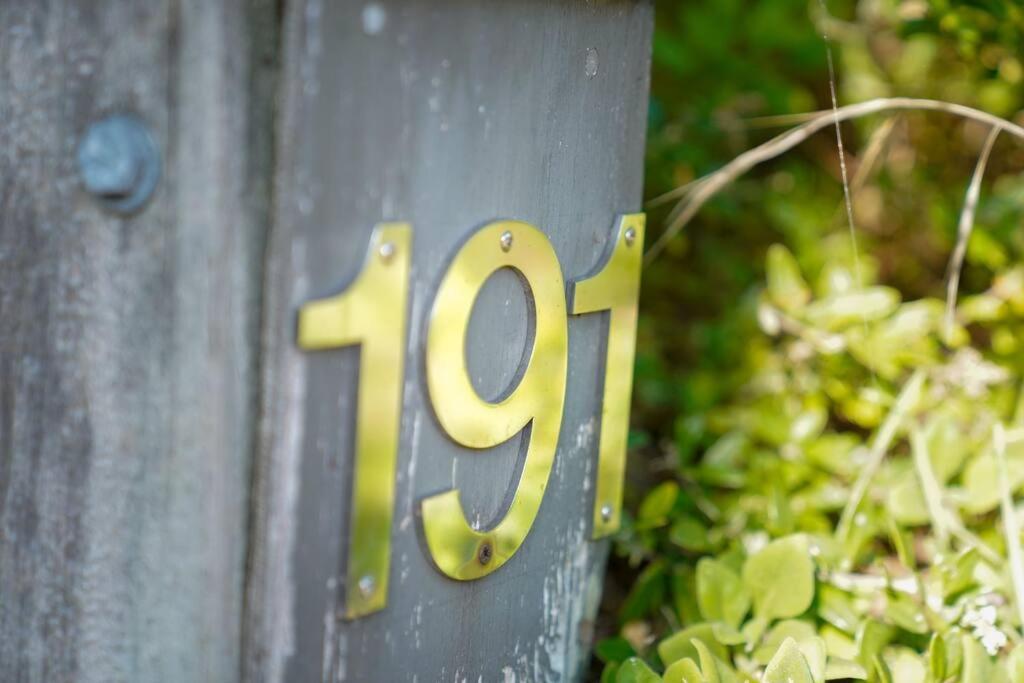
x: 606, y: 512
x: 119, y: 162
x: 630, y: 236
x: 366, y: 586
x: 485, y: 553
x: 386, y: 251
x: 506, y: 240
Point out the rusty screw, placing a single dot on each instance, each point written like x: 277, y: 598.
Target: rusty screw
x: 485, y: 553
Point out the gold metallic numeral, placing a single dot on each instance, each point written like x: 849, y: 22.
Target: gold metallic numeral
x: 460, y: 551
x: 615, y: 287
x: 371, y: 312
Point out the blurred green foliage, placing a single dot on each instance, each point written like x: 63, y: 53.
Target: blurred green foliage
x: 765, y: 373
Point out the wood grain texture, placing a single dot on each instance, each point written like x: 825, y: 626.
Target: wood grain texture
x: 128, y: 345
x: 446, y: 114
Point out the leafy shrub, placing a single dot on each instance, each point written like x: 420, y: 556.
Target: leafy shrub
x: 823, y: 474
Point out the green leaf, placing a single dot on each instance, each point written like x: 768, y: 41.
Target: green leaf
x: 655, y: 508
x: 813, y: 650
x: 727, y: 634
x: 838, y: 669
x: 936, y: 659
x: 754, y: 629
x: 904, y: 612
x: 708, y: 665
x: 721, y: 594
x: 882, y: 672
x: 647, y: 594
x: 836, y: 607
x: 788, y: 666
x: 838, y: 643
x: 797, y: 629
x: 842, y: 310
x: 635, y: 670
x: 907, y: 666
x: 872, y: 636
x: 679, y: 645
x: 981, y: 480
x: 689, y: 534
x: 906, y: 501
x: 780, y: 578
x: 1015, y: 665
x: 684, y: 671
x: 977, y: 666
x: 616, y: 649
x: 787, y: 288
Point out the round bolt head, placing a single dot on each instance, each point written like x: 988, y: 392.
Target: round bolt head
x: 366, y: 586
x: 506, y: 240
x: 386, y: 251
x: 119, y: 162
x: 606, y: 512
x: 630, y: 236
x: 485, y: 553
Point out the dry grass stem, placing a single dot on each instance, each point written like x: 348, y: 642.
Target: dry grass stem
x: 963, y: 234
x: 712, y: 184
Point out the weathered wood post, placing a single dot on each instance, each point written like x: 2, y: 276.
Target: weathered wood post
x: 129, y: 336
x: 346, y: 398
x: 446, y: 116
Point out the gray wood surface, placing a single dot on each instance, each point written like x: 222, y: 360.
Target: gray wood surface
x: 128, y: 346
x: 447, y: 114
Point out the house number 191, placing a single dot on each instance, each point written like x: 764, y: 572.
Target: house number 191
x: 371, y: 312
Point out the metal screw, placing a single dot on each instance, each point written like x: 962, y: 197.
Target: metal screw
x: 485, y: 553
x: 366, y: 586
x: 630, y: 236
x: 386, y: 251
x: 119, y: 162
x: 606, y: 512
x: 506, y: 240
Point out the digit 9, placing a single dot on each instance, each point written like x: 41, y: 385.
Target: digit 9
x: 534, y: 404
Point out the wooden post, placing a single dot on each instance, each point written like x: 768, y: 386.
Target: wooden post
x: 445, y: 114
x: 128, y: 344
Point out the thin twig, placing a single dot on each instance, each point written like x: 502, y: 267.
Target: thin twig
x: 721, y: 178
x: 1010, y: 526
x: 883, y: 438
x: 963, y: 234
x: 675, y: 193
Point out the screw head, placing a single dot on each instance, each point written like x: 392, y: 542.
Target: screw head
x: 506, y: 240
x: 606, y: 513
x: 630, y: 236
x: 119, y: 162
x: 386, y: 251
x: 485, y: 553
x: 366, y: 586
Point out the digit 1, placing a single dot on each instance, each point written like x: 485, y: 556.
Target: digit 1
x: 614, y: 287
x: 370, y: 312
x: 537, y: 399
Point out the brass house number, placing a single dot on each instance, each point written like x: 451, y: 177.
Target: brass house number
x: 372, y: 312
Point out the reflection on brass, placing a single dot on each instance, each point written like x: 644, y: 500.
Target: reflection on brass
x: 371, y: 312
x: 615, y: 287
x: 460, y: 551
